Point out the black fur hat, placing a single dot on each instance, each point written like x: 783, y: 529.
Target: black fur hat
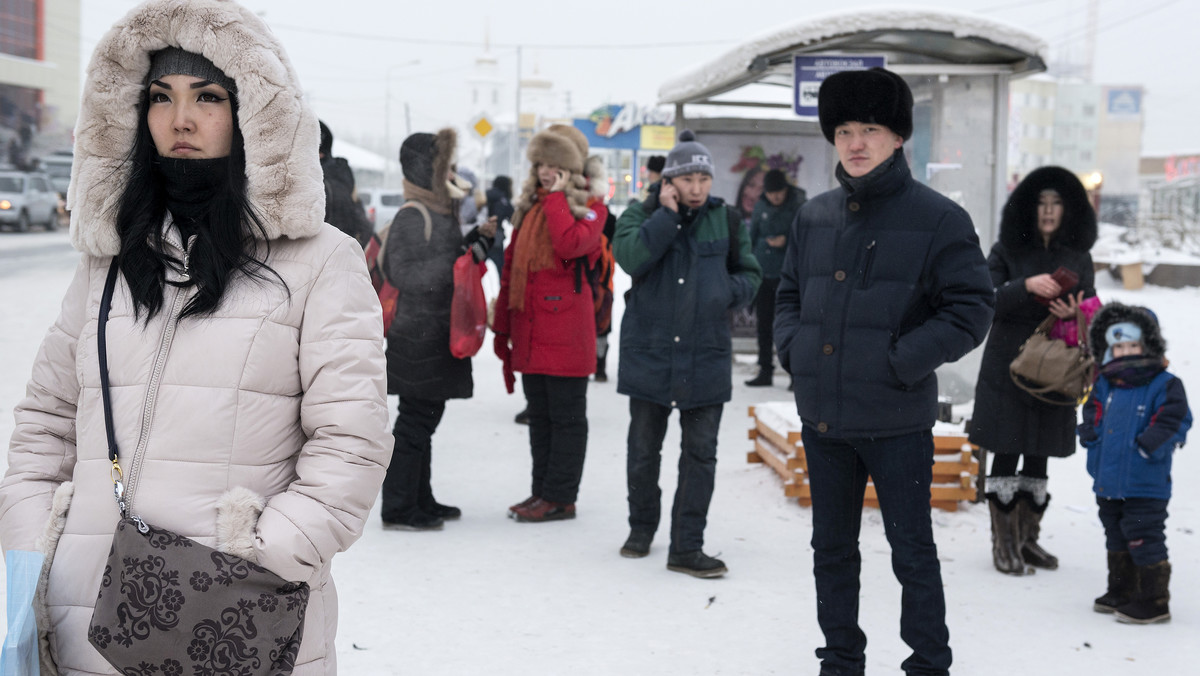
x: 1153, y: 343
x: 876, y: 95
x: 1018, y: 222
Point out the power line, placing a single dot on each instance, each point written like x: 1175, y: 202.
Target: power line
x: 1080, y: 33
x: 475, y: 43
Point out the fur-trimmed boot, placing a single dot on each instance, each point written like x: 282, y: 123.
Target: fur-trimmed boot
x: 1120, y: 583
x: 1006, y: 531
x: 1032, y: 500
x: 1150, y: 596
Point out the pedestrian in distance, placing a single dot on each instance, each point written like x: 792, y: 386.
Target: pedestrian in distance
x: 769, y: 227
x: 247, y: 375
x: 1132, y: 422
x: 424, y: 241
x: 343, y: 210
x: 654, y: 167
x: 499, y: 204
x: 1040, y: 266
x: 691, y: 264
x: 545, y: 321
x: 883, y: 281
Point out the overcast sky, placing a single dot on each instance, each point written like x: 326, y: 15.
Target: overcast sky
x: 624, y: 50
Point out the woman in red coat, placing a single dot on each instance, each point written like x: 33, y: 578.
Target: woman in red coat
x: 545, y: 320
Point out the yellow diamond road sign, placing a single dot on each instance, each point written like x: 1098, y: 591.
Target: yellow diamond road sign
x: 482, y: 127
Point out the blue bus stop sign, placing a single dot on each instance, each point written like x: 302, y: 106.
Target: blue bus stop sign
x: 810, y: 70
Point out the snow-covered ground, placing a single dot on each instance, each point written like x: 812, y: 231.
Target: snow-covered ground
x: 491, y: 596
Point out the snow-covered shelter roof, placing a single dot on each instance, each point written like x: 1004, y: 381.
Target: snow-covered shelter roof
x: 914, y: 39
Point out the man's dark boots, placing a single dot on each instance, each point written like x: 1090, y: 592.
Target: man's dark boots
x: 1121, y: 578
x: 764, y: 378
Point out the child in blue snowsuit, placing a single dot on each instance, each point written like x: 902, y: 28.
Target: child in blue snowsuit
x: 1135, y: 418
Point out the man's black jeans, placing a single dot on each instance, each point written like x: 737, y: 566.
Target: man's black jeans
x: 901, y: 468
x: 697, y: 470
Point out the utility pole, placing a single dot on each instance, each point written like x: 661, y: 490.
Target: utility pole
x: 514, y: 148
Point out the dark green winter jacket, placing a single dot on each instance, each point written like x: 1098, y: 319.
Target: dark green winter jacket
x: 676, y: 347
x: 770, y: 221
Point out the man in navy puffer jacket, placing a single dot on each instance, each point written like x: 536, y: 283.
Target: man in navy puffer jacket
x: 883, y: 281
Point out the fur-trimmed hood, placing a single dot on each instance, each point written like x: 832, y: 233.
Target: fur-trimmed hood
x: 597, y: 176
x: 283, y: 171
x: 1018, y: 222
x: 1153, y: 343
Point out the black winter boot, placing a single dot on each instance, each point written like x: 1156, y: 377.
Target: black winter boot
x: 1150, y: 597
x: 1121, y: 578
x: 764, y: 378
x: 637, y: 544
x: 1029, y: 516
x: 696, y: 564
x: 1006, y: 536
x: 601, y: 375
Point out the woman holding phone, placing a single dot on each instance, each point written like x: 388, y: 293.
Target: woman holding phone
x: 545, y: 320
x: 1039, y: 266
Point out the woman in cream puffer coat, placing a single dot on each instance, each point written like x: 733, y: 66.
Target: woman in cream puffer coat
x: 256, y: 424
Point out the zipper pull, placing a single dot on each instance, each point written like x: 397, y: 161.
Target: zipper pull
x: 141, y: 525
x: 187, y: 257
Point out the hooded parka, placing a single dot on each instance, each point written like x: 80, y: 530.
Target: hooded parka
x: 1008, y: 420
x: 1131, y: 430
x: 420, y: 264
x: 275, y: 397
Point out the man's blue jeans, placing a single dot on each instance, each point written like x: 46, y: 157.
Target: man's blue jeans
x: 901, y: 468
x: 697, y: 470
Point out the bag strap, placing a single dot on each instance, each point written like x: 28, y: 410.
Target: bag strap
x: 110, y: 285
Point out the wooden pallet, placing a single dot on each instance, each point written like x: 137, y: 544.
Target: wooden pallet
x: 955, y: 467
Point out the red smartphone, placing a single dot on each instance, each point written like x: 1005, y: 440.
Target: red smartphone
x: 1067, y: 279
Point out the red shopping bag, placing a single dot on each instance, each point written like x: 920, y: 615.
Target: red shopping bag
x: 468, y: 309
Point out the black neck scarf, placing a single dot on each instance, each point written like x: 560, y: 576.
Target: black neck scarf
x: 191, y: 186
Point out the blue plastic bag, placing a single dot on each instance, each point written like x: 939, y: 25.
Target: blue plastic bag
x: 20, y: 653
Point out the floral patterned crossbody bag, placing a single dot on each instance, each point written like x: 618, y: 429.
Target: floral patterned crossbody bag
x: 172, y: 606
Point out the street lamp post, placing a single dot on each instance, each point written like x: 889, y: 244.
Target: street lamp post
x: 387, y: 116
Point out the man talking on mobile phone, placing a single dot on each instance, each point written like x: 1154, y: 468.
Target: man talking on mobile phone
x: 692, y: 265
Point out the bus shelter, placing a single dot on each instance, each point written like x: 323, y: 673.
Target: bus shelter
x: 741, y: 103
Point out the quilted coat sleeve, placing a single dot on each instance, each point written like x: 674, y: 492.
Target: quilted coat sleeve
x: 642, y: 238
x: 41, y: 454
x: 343, y: 413
x: 962, y: 299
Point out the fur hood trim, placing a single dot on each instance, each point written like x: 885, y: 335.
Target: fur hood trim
x: 446, y: 145
x: 1153, y: 343
x: 597, y: 176
x: 283, y: 171
x: 1018, y: 222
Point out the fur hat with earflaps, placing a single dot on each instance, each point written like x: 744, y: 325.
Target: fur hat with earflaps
x: 565, y: 147
x: 876, y: 96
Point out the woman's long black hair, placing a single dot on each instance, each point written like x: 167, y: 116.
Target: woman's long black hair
x: 225, y: 246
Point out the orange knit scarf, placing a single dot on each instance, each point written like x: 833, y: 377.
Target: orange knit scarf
x: 534, y: 251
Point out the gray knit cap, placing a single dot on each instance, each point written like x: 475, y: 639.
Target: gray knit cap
x: 175, y: 61
x: 688, y: 157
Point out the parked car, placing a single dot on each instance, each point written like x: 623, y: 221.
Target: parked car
x: 57, y: 165
x: 380, y: 204
x: 26, y: 199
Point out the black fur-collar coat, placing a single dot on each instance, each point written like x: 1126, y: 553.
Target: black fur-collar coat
x: 1006, y: 419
